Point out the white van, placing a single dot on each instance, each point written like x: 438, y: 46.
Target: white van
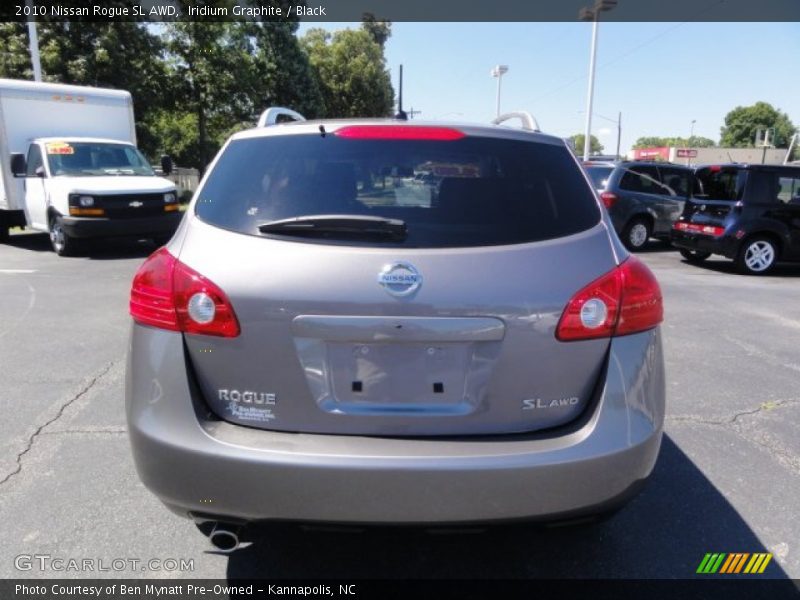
x: 69, y: 166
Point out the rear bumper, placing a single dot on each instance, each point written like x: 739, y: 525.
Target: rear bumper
x: 97, y: 227
x: 195, y: 463
x: 725, y: 245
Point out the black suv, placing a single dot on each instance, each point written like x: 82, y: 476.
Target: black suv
x: 749, y: 213
x: 643, y: 198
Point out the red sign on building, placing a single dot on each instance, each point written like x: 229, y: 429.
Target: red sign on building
x: 651, y: 153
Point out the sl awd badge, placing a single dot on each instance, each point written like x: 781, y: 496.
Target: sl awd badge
x: 536, y: 403
x: 400, y: 279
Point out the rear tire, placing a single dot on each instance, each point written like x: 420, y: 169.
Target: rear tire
x: 4, y: 233
x: 636, y: 233
x: 757, y: 255
x: 62, y: 243
x: 694, y: 256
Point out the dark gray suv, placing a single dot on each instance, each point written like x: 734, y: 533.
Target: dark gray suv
x: 380, y: 322
x: 644, y: 199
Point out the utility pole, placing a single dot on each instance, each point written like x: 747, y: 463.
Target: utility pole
x: 498, y: 71
x: 400, y: 112
x: 33, y: 44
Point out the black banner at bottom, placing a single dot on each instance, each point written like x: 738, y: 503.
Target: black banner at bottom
x: 210, y: 589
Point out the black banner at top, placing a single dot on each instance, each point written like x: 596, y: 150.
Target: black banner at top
x: 401, y: 10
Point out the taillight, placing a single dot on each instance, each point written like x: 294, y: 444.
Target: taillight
x: 169, y: 295
x: 608, y: 198
x: 624, y: 301
x: 697, y: 228
x: 399, y: 132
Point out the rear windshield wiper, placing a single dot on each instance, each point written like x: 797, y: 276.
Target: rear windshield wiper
x: 339, y: 226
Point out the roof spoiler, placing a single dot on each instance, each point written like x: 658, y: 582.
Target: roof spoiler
x: 273, y: 113
x: 529, y: 123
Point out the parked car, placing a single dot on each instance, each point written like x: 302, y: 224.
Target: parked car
x: 309, y: 348
x: 599, y: 172
x: 644, y: 199
x: 748, y: 213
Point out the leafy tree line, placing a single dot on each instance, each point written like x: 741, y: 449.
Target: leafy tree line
x: 579, y: 140
x: 195, y: 83
x: 739, y: 130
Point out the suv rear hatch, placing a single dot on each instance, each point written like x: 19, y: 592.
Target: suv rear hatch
x: 426, y: 305
x: 717, y: 189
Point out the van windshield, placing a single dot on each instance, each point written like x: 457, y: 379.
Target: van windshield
x: 86, y: 159
x: 475, y: 191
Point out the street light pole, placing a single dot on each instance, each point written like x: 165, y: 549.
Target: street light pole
x: 593, y: 15
x: 587, y: 140
x: 498, y: 71
x: 689, y: 143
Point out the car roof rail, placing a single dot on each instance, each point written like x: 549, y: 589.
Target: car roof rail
x: 528, y: 121
x: 273, y: 113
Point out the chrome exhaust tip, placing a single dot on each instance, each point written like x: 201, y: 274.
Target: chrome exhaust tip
x: 224, y: 538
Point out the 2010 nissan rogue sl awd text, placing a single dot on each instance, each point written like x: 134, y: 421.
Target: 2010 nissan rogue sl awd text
x: 375, y: 321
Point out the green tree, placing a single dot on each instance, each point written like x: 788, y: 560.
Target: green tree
x: 379, y: 31
x: 15, y: 63
x: 677, y: 142
x: 351, y: 74
x: 121, y: 55
x: 211, y: 65
x: 579, y: 139
x: 283, y: 75
x: 742, y: 123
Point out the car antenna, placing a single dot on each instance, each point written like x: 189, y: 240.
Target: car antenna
x: 401, y: 114
x: 730, y: 158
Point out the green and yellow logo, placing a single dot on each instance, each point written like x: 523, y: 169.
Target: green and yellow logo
x: 734, y: 563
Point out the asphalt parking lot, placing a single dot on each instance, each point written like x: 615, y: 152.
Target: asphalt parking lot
x: 727, y: 480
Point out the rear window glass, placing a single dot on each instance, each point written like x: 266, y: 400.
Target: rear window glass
x: 641, y: 179
x: 469, y: 192
x: 720, y: 183
x: 599, y: 176
x: 675, y: 182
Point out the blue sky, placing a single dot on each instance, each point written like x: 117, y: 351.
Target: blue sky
x: 661, y: 76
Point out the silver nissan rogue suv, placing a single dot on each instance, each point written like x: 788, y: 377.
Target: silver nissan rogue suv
x: 382, y: 321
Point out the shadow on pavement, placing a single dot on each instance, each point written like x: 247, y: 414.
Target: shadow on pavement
x: 654, y: 246
x: 101, y: 249
x: 663, y: 533
x: 721, y: 265
x: 38, y: 242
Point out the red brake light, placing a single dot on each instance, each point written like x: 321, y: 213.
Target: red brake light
x: 642, y: 303
x: 161, y: 292
x: 399, y: 132
x: 624, y: 301
x: 608, y: 198
x: 712, y: 230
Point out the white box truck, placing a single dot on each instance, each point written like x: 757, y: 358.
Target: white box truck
x: 69, y: 166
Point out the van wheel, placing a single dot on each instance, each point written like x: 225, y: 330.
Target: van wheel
x: 636, y: 234
x: 757, y: 256
x: 63, y: 244
x: 4, y: 235
x: 694, y: 256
